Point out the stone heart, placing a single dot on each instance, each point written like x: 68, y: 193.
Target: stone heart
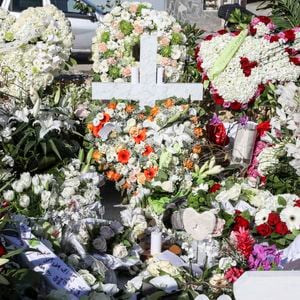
x: 199, y: 226
x: 33, y: 49
x: 239, y: 65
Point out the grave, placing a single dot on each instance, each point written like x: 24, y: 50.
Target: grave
x: 146, y: 84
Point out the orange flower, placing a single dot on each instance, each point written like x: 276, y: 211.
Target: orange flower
x: 90, y: 127
x: 129, y: 108
x: 123, y: 156
x: 106, y: 118
x: 141, y: 178
x: 112, y: 105
x: 188, y: 164
x: 96, y: 130
x: 113, y: 176
x: 198, y: 132
x: 97, y: 155
x: 169, y: 103
x: 154, y: 111
x: 148, y: 150
x: 141, y: 136
x: 150, y: 173
x: 197, y: 149
x: 126, y: 185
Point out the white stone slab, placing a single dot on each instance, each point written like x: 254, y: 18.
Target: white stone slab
x: 149, y: 88
x: 268, y: 285
x: 56, y: 272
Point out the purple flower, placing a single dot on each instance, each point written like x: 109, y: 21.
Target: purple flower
x: 215, y: 120
x: 264, y: 257
x: 244, y: 120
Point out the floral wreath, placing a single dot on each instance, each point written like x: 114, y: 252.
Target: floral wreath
x: 33, y: 49
x: 120, y: 31
x: 238, y: 65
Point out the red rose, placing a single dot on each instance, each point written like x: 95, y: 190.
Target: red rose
x: 235, y: 106
x: 273, y: 218
x: 215, y: 188
x: 290, y: 35
x: 2, y: 250
x: 218, y: 99
x: 264, y: 19
x: 263, y: 127
x: 240, y: 222
x: 216, y: 133
x: 281, y: 228
x: 252, y: 30
x: 297, y: 203
x: 264, y: 230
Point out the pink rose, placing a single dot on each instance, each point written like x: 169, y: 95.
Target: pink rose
x: 164, y: 41
x: 138, y: 29
x: 102, y: 47
x: 126, y: 72
x: 133, y: 8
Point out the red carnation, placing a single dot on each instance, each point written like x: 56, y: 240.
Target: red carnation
x: 252, y: 30
x: 295, y: 60
x: 290, y: 35
x: 233, y: 274
x: 215, y: 188
x: 264, y: 229
x: 273, y: 218
x: 240, y: 222
x: 281, y: 228
x: 262, y: 128
x: 196, y: 52
x: 209, y: 37
x: 222, y: 31
x: 274, y: 38
x: 218, y: 99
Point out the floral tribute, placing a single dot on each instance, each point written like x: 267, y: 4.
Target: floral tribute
x: 239, y: 64
x: 120, y: 31
x: 33, y: 49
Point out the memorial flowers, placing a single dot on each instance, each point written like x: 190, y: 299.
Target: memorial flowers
x: 33, y: 49
x: 250, y: 59
x: 120, y: 31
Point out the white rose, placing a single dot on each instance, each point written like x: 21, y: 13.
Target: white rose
x: 167, y: 186
x: 17, y: 186
x: 100, y: 244
x: 226, y: 262
x: 68, y: 192
x: 130, y: 123
x: 24, y: 201
x: 9, y: 195
x: 87, y: 276
x: 120, y: 251
x: 25, y: 179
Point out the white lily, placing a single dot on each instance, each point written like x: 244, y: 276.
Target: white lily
x: 48, y: 125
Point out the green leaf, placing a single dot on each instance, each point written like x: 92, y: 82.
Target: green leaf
x: 3, y: 261
x: 281, y: 201
x: 3, y: 280
x: 13, y: 253
x: 34, y: 242
x: 57, y: 96
x: 54, y: 148
x: 28, y: 146
x: 156, y: 296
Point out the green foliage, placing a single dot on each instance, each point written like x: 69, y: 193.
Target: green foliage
x: 285, y: 13
x: 238, y: 20
x: 193, y: 35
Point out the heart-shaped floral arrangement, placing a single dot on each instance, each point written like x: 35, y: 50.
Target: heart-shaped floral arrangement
x: 239, y: 64
x: 33, y: 49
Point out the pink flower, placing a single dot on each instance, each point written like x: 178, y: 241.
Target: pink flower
x: 138, y: 29
x: 111, y: 61
x: 102, y: 47
x: 164, y: 41
x: 126, y: 72
x: 233, y: 274
x: 218, y: 228
x: 133, y: 8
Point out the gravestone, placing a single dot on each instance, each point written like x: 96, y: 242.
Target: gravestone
x: 268, y: 285
x: 147, y: 86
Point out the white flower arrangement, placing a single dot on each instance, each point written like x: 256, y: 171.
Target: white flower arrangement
x: 261, y: 58
x: 120, y: 31
x: 33, y: 49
